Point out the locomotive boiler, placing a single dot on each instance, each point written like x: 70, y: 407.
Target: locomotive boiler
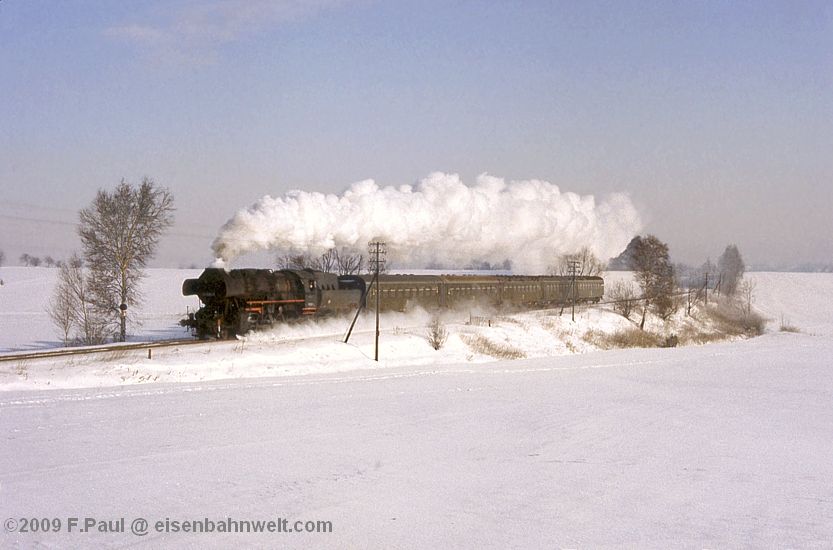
x: 235, y: 301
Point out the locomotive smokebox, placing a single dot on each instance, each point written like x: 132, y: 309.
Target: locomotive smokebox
x: 190, y: 287
x: 211, y: 284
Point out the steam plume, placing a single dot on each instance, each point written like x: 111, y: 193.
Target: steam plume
x: 438, y: 220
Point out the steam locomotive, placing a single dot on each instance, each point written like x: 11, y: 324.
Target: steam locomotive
x: 238, y: 300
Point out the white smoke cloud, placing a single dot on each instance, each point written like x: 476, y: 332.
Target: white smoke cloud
x: 438, y: 220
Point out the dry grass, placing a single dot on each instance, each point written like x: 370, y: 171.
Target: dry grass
x: 730, y: 321
x: 697, y: 335
x: 22, y: 369
x: 625, y: 338
x: 480, y: 344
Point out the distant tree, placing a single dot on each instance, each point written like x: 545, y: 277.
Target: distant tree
x: 687, y: 276
x: 349, y: 263
x: 731, y: 268
x: 120, y: 231
x: 2, y: 258
x: 293, y: 261
x: 29, y: 261
x: 704, y: 279
x: 654, y: 273
x: 343, y: 262
x: 622, y: 262
x: 48, y: 261
x: 328, y: 261
x: 588, y: 263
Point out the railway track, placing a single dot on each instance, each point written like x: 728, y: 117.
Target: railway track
x: 87, y: 350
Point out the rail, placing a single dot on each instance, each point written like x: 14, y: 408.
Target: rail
x: 64, y: 352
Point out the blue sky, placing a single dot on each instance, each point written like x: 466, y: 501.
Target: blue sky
x: 715, y: 117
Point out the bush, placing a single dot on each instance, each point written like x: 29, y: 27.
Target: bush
x: 785, y: 326
x: 670, y: 341
x: 437, y: 334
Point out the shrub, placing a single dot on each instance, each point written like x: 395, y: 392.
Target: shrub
x: 437, y: 334
x: 785, y: 326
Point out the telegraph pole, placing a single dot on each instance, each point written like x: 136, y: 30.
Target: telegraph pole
x: 377, y: 253
x: 572, y: 270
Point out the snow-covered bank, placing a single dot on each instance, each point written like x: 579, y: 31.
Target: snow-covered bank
x: 719, y: 446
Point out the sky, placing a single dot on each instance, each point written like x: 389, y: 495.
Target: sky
x: 715, y: 118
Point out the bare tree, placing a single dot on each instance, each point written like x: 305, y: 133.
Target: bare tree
x: 61, y: 308
x: 328, y: 261
x: 342, y: 262
x: 654, y: 273
x: 294, y: 261
x: 120, y: 231
x: 624, y: 298
x: 49, y: 261
x: 731, y: 268
x: 588, y: 263
x: 2, y: 258
x: 71, y: 308
x: 349, y: 263
x: 746, y: 292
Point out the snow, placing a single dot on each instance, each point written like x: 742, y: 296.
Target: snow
x: 721, y: 445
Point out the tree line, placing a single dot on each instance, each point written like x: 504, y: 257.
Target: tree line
x: 666, y: 287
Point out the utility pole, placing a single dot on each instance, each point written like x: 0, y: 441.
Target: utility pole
x: 572, y: 270
x: 377, y: 253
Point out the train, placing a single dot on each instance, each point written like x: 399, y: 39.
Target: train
x: 233, y: 302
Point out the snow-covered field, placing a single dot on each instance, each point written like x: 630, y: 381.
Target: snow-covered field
x: 720, y: 446
x: 26, y: 293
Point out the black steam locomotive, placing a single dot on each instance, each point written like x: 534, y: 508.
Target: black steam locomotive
x: 239, y: 300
